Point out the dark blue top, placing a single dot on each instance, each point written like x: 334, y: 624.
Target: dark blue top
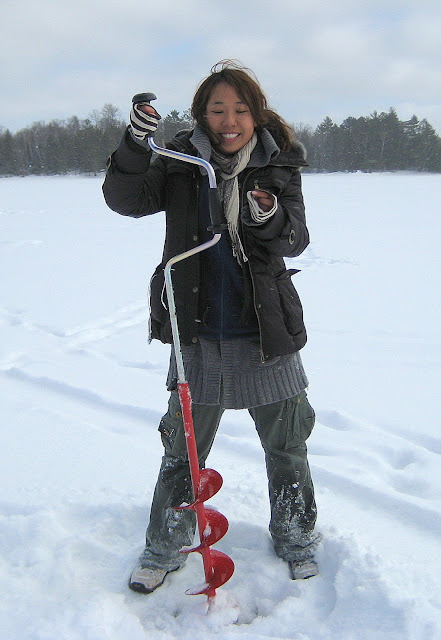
x: 223, y: 283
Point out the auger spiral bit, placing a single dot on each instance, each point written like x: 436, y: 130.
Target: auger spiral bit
x: 212, y: 525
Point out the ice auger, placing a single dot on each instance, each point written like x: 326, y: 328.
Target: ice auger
x: 212, y: 525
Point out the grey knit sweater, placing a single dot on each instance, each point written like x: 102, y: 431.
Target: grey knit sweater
x: 231, y: 373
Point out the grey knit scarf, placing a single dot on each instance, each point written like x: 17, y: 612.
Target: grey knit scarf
x: 228, y: 187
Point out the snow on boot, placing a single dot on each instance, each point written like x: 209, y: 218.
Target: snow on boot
x: 303, y: 570
x: 146, y: 580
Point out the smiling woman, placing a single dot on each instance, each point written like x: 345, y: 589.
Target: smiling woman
x: 240, y: 319
x: 249, y: 97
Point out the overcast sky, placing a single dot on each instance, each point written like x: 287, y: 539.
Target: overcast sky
x: 313, y: 57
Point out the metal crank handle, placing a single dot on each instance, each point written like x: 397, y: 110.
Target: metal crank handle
x: 216, y: 215
x: 217, y: 219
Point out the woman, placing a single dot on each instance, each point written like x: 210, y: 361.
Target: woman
x: 239, y: 316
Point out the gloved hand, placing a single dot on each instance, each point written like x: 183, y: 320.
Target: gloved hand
x: 263, y: 205
x: 144, y: 121
x: 265, y: 199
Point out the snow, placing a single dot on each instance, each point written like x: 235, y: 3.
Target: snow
x: 82, y: 392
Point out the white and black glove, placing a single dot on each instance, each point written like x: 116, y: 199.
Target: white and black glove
x: 263, y: 205
x: 143, y: 125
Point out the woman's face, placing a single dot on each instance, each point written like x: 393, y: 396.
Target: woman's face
x: 229, y: 119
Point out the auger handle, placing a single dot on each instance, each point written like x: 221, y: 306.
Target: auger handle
x: 142, y: 98
x: 214, y: 203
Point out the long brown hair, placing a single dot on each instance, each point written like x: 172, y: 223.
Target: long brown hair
x: 248, y: 89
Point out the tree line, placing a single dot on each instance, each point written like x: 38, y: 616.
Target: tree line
x: 73, y: 145
x: 378, y: 142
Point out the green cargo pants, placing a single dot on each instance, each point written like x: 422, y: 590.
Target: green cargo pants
x: 283, y: 427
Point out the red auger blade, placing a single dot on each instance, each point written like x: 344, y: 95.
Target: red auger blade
x: 210, y: 483
x: 216, y: 528
x: 223, y: 569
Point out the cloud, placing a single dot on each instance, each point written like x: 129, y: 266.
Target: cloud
x: 313, y: 59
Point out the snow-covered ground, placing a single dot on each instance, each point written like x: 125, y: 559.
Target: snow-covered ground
x: 81, y: 394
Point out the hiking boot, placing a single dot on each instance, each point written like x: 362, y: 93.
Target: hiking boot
x: 146, y: 580
x: 303, y: 570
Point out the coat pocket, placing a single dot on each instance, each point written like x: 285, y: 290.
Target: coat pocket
x: 290, y: 302
x: 159, y: 321
x: 158, y: 299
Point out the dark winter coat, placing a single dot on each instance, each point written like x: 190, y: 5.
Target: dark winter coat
x: 135, y: 187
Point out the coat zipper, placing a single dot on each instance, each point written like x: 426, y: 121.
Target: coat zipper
x: 247, y: 177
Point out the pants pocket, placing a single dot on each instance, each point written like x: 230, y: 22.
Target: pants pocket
x: 171, y: 428
x: 167, y: 435
x: 301, y: 421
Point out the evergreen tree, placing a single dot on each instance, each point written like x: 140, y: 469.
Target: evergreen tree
x: 356, y: 143
x: 411, y: 146
x: 305, y: 135
x: 8, y: 162
x: 72, y: 145
x: 173, y: 123
x: 325, y: 145
x: 430, y: 147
